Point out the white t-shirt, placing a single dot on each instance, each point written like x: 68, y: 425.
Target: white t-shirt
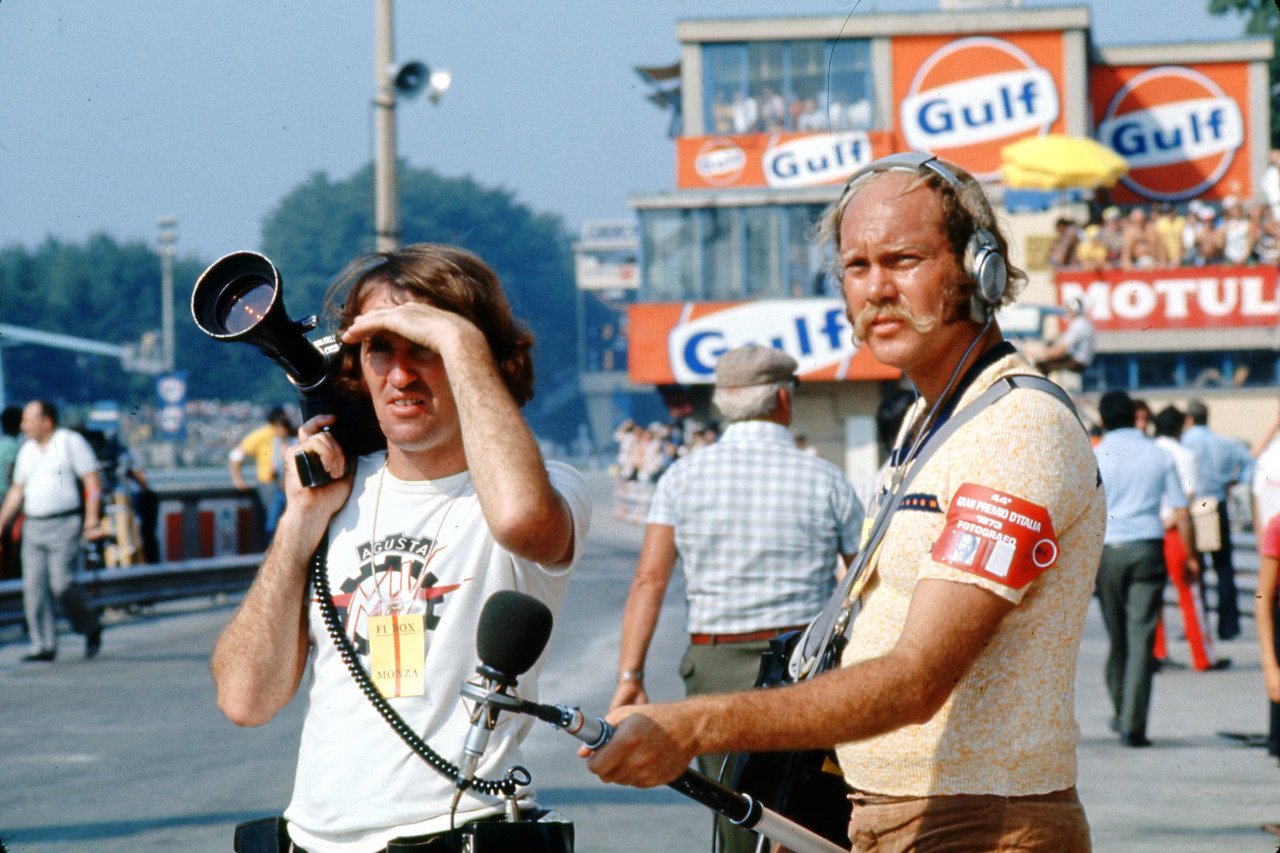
x: 1266, y: 483
x: 48, y: 474
x: 1184, y: 462
x: 358, y: 784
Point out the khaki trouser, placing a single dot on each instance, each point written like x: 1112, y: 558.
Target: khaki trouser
x: 1042, y: 823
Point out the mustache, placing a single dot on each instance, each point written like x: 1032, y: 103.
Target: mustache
x: 873, y: 313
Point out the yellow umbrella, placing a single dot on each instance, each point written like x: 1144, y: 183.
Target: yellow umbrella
x: 1057, y: 161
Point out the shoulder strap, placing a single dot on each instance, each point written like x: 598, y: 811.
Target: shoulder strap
x: 835, y: 616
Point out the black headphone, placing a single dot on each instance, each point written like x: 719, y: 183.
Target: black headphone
x: 983, y: 262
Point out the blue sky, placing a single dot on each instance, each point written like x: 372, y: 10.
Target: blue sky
x: 115, y: 112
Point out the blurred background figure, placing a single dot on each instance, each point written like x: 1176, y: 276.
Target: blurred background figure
x: 266, y: 446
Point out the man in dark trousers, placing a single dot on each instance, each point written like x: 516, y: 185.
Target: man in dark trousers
x: 1220, y: 464
x: 1137, y: 474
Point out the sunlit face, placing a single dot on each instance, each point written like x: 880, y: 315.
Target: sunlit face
x: 410, y: 391
x: 899, y: 276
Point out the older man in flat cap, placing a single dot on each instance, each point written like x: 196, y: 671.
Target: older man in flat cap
x: 759, y: 527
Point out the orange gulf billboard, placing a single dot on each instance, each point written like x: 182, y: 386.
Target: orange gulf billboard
x: 965, y: 99
x: 678, y: 343
x: 778, y: 160
x: 1182, y: 129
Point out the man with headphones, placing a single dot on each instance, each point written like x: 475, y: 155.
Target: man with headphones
x: 952, y: 707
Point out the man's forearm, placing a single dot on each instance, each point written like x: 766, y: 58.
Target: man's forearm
x: 523, y: 511
x: 259, y: 659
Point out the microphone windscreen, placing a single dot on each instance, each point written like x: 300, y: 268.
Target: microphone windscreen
x: 513, y: 631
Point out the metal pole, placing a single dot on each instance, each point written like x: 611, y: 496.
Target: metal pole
x: 168, y: 233
x: 386, y: 195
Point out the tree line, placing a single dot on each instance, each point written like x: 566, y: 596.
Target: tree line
x: 110, y: 291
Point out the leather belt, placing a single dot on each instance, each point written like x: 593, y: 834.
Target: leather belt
x: 747, y: 637
x: 64, y: 514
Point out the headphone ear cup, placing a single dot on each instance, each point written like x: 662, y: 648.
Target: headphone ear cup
x: 986, y: 267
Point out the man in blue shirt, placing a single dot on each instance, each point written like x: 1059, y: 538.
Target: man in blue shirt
x: 1136, y: 474
x: 1220, y: 463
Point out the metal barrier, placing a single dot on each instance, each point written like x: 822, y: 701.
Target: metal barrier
x: 119, y: 587
x: 209, y: 541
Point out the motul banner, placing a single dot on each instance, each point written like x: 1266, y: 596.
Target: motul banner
x: 1183, y: 298
x: 778, y: 161
x: 678, y: 343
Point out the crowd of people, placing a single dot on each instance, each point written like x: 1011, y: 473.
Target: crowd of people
x: 645, y: 452
x: 1161, y: 236
x: 771, y: 112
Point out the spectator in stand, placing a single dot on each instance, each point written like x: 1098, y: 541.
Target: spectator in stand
x: 1091, y: 253
x: 814, y: 117
x: 773, y: 110
x: 1169, y: 425
x: 1142, y: 247
x: 1266, y: 248
x: 1271, y: 183
x: 1112, y: 235
x: 722, y: 113
x: 1220, y: 464
x: 746, y: 113
x: 1238, y: 232
x: 1062, y: 254
x: 795, y: 112
x: 1169, y: 224
x: 1206, y: 237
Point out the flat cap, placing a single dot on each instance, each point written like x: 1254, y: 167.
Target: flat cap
x: 754, y: 365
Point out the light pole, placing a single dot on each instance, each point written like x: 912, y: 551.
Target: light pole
x: 390, y: 81
x: 386, y: 201
x: 165, y: 238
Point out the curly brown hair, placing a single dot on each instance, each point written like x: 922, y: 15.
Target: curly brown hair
x: 448, y: 278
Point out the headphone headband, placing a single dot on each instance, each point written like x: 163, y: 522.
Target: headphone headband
x: 916, y: 161
x: 983, y: 262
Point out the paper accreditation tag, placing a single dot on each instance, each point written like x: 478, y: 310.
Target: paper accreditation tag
x: 397, y: 653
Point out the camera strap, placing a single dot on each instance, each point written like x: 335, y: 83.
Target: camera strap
x: 504, y: 787
x: 835, y: 617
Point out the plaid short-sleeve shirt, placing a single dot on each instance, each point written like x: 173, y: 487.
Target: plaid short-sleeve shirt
x: 758, y: 526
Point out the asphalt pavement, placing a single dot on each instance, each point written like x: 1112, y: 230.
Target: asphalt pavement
x: 128, y: 752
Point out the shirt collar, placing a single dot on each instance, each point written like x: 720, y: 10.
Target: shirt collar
x: 758, y: 431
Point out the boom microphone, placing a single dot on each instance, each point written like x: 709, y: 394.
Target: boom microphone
x: 512, y: 632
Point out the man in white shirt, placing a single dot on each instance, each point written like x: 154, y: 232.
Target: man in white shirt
x: 411, y: 543
x: 45, y: 489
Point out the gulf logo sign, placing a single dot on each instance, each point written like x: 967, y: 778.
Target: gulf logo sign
x: 678, y: 343
x: 1179, y: 130
x: 971, y: 97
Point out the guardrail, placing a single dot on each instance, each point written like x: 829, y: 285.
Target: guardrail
x: 118, y: 587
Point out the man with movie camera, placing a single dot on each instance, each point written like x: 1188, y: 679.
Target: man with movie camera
x: 951, y: 708
x: 412, y: 542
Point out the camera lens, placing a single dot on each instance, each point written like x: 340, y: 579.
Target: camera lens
x: 243, y: 303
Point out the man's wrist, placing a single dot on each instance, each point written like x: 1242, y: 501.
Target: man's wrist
x: 630, y: 675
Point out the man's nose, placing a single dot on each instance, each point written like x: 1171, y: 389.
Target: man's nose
x: 399, y: 368
x: 876, y: 286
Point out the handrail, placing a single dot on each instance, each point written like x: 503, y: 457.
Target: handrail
x: 126, y: 585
